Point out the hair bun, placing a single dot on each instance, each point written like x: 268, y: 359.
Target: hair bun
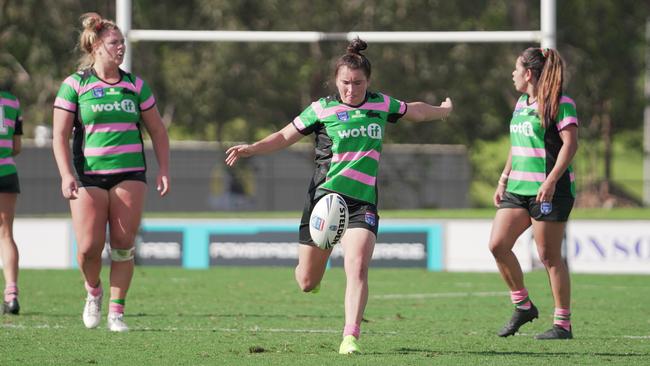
x: 91, y: 21
x: 356, y: 46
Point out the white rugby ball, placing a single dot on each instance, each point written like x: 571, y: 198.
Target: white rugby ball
x: 328, y: 220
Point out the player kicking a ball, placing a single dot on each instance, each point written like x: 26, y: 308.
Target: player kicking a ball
x: 348, y: 128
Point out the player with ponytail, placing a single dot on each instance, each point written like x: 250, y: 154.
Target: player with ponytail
x: 537, y: 186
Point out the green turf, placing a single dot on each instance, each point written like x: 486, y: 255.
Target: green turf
x: 257, y: 316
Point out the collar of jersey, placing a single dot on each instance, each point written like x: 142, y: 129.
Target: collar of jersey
x: 365, y: 99
x: 92, y: 71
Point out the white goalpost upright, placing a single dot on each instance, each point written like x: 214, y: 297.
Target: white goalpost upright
x: 544, y: 36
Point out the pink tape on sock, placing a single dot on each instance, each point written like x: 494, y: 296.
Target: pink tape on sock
x: 519, y: 295
x: 352, y: 329
x: 116, y: 308
x: 94, y: 291
x: 11, y: 291
x: 562, y: 317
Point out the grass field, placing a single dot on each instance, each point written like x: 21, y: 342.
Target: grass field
x: 257, y: 316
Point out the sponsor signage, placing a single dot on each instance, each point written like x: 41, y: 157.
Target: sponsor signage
x: 43, y: 243
x: 609, y: 247
x: 406, y: 249
x: 263, y: 248
x: 466, y: 247
x: 397, y: 246
x: 160, y: 248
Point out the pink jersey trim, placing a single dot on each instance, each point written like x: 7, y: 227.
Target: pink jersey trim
x: 527, y: 176
x: 7, y: 143
x: 7, y: 161
x: 565, y: 99
x: 108, y: 150
x: 147, y: 103
x: 138, y: 84
x: 9, y: 102
x: 114, y: 171
x: 62, y: 103
x: 9, y: 122
x: 73, y: 83
x: 402, y: 107
x: 528, y: 151
x: 383, y: 106
x: 359, y: 176
x: 298, y: 123
x: 101, y: 84
x: 534, y: 177
x: 565, y: 122
x: 323, y: 113
x: 355, y: 155
x: 111, y: 127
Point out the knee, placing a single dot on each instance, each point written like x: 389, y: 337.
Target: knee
x: 549, y: 260
x: 356, y: 269
x: 498, y: 249
x: 305, y: 283
x: 90, y: 253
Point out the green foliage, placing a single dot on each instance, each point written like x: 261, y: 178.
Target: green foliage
x: 488, y: 159
x: 245, y: 316
x: 202, y: 87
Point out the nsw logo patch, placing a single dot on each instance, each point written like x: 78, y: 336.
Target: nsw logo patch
x: 98, y: 92
x: 343, y: 116
x: 371, y: 218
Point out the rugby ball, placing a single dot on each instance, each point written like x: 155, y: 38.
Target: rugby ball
x: 328, y: 220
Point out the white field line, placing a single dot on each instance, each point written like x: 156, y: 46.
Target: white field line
x: 192, y: 329
x: 440, y: 295
x: 258, y: 329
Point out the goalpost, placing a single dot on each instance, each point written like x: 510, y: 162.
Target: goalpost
x: 544, y: 36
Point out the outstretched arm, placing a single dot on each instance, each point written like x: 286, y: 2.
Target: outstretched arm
x: 287, y: 136
x: 420, y: 111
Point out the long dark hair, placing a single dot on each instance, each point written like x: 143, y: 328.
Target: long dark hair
x: 547, y: 67
x: 354, y: 59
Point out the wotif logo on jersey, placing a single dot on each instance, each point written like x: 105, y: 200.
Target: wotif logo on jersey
x: 525, y: 128
x: 126, y: 105
x: 373, y: 131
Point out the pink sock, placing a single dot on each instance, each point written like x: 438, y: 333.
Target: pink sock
x: 93, y: 291
x: 116, y: 308
x: 352, y: 329
x: 562, y: 317
x: 11, y: 291
x: 520, y: 299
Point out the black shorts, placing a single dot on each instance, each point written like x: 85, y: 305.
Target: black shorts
x: 361, y: 215
x: 108, y: 181
x: 9, y: 184
x: 560, y: 207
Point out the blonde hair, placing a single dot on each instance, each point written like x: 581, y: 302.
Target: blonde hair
x: 93, y: 26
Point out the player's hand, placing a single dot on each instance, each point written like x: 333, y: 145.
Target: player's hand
x: 448, y: 106
x: 69, y: 187
x: 546, y: 192
x: 239, y: 151
x: 162, y: 184
x: 498, y: 194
